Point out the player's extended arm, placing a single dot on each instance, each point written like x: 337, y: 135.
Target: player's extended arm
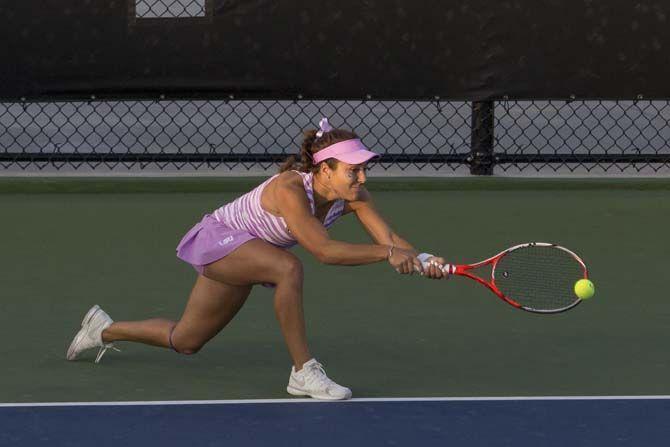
x: 382, y: 233
x: 374, y: 223
x: 313, y: 236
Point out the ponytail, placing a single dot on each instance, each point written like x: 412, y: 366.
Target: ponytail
x: 303, y: 164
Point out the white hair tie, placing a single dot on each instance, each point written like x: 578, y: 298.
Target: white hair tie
x: 324, y: 127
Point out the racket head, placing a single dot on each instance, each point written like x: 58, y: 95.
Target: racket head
x: 538, y: 277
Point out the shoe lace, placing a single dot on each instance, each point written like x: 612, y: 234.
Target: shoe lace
x: 104, y: 349
x: 316, y: 374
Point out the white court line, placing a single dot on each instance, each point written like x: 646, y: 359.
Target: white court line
x: 295, y: 401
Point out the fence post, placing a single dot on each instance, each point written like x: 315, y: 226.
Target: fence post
x: 481, y: 138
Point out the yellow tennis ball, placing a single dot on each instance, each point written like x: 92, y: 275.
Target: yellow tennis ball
x: 584, y: 289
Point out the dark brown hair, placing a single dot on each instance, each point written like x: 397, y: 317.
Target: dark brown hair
x: 311, y: 145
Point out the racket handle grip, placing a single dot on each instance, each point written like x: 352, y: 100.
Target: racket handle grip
x: 446, y: 268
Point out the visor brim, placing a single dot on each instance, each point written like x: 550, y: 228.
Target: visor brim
x: 357, y: 157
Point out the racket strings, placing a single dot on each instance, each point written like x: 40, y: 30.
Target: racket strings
x: 538, y: 277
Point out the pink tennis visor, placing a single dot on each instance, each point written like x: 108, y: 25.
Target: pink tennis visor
x: 349, y: 151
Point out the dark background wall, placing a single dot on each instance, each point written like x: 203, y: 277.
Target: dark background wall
x: 455, y: 49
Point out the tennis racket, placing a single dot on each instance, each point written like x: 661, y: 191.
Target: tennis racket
x: 535, y: 277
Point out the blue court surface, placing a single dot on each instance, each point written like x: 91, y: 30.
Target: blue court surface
x: 536, y: 421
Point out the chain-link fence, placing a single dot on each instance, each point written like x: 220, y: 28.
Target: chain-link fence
x: 149, y: 9
x: 236, y: 136
x: 587, y: 136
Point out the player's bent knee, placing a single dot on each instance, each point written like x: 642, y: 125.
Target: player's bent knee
x: 186, y: 350
x: 189, y: 351
x: 182, y: 348
x: 290, y: 269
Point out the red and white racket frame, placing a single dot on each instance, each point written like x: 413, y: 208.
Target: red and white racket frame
x: 464, y: 270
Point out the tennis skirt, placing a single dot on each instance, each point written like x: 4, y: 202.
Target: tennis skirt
x: 210, y: 240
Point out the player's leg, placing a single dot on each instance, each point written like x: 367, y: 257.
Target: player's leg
x: 210, y: 308
x: 220, y: 293
x: 257, y: 261
x: 260, y: 262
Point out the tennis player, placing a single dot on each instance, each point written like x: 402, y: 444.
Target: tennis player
x: 245, y: 243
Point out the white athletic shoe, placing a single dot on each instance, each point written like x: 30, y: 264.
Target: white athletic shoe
x: 89, y: 336
x: 312, y: 381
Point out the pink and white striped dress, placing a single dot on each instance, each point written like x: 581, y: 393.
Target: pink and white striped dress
x: 222, y: 232
x: 246, y: 214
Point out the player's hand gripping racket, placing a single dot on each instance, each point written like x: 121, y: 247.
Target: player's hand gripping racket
x: 536, y: 277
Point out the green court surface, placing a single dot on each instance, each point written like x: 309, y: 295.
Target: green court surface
x: 68, y: 244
